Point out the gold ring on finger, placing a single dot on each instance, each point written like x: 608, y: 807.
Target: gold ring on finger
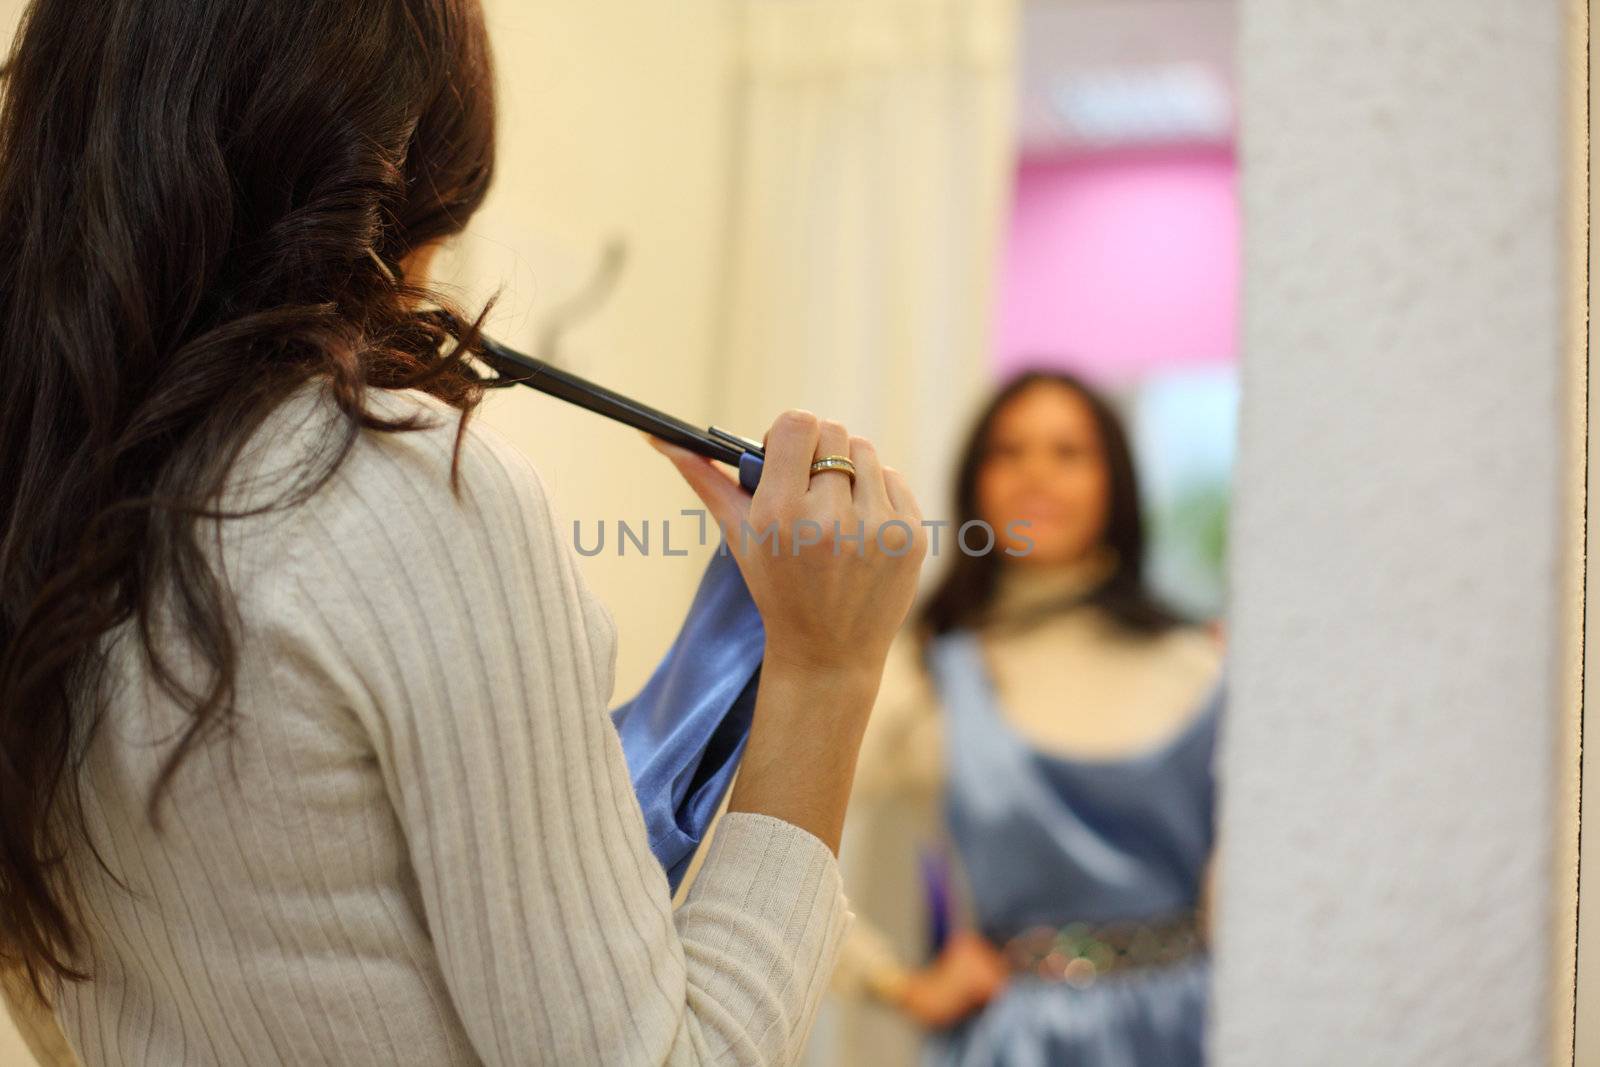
x: 835, y: 463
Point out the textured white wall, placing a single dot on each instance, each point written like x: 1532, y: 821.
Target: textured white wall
x: 1392, y: 762
x: 1587, y: 1015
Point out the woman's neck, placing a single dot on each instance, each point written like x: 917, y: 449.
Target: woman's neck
x: 1026, y: 588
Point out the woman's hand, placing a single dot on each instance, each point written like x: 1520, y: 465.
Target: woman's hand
x: 832, y: 566
x: 967, y: 974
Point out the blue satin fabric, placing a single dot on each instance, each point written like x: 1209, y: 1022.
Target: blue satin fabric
x: 684, y: 733
x: 1048, y: 840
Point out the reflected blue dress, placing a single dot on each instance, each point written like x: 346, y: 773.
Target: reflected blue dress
x: 1047, y: 841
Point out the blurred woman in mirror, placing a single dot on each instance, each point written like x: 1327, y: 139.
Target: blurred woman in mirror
x: 1051, y: 724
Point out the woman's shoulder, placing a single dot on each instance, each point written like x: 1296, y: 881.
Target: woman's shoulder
x: 444, y: 506
x: 308, y: 432
x: 1193, y: 644
x: 1190, y: 655
x: 310, y: 468
x: 1190, y: 659
x: 433, y: 440
x: 1184, y: 658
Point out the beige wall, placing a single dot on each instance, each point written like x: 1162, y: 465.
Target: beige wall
x: 13, y: 1052
x: 613, y: 124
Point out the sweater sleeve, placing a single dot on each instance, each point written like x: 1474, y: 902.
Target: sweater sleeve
x: 468, y: 646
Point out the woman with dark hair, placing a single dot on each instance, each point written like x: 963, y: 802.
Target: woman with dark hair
x: 304, y: 753
x: 1052, y: 722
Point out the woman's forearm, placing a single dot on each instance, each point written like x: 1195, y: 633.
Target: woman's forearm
x: 801, y: 756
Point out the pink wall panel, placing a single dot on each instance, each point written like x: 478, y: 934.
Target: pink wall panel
x: 1122, y: 263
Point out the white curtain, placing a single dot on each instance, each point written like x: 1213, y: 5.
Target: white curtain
x: 870, y: 172
x: 870, y: 175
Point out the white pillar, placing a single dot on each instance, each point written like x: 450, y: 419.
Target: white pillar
x: 1397, y: 755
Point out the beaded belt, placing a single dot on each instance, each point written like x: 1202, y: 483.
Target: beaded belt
x: 1081, y: 952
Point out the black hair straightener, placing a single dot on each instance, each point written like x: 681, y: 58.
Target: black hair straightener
x: 515, y: 368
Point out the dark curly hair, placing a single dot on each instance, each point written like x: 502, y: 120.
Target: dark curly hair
x: 203, y: 205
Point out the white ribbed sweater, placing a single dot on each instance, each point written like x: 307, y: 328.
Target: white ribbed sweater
x: 421, y: 845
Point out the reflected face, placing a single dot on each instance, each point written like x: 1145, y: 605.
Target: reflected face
x: 1044, y: 464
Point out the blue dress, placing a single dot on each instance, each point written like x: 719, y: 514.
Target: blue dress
x: 1048, y: 840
